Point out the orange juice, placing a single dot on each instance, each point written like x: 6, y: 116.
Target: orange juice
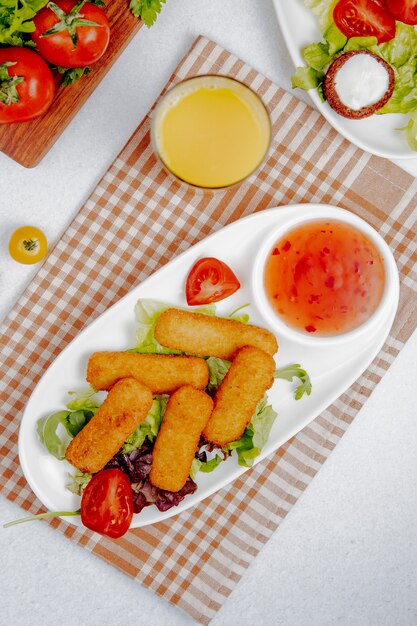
x: 211, y: 131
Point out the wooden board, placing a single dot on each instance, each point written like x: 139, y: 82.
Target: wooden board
x: 28, y: 142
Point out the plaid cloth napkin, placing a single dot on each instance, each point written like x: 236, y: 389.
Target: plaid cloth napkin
x: 136, y: 220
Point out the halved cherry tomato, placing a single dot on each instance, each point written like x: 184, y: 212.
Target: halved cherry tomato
x: 210, y: 280
x: 26, y: 85
x: 71, y: 34
x: 107, y: 503
x: 364, y: 18
x: 28, y: 245
x: 403, y: 10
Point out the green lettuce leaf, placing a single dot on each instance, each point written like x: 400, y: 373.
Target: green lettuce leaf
x: 256, y: 434
x: 47, y: 428
x: 218, y: 369
x: 362, y: 43
x: 149, y: 427
x: 76, y: 420
x: 323, y: 10
x: 83, y: 400
x: 147, y: 313
x: 55, y: 431
x: 316, y: 55
x: 336, y: 40
x: 207, y: 467
x: 79, y: 481
x: 404, y: 97
x: 410, y: 131
x: 296, y: 371
x: 306, y: 78
x: 399, y: 50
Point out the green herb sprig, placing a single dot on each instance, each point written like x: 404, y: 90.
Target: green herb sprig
x: 16, y: 20
x: 146, y: 10
x: 296, y: 371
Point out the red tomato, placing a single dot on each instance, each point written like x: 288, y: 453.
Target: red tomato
x: 71, y: 34
x: 403, y: 10
x: 364, y: 18
x: 30, y: 89
x: 210, y: 280
x: 107, y: 503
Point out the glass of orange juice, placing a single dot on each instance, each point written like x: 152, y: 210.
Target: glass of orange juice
x: 211, y: 131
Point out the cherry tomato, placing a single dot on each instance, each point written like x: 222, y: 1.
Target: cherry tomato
x: 107, y: 503
x: 71, y: 34
x: 403, y: 10
x: 28, y: 245
x: 364, y: 18
x: 210, y: 280
x: 26, y: 85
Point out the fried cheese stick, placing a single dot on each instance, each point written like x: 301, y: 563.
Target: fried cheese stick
x: 249, y: 377
x: 162, y: 373
x: 210, y: 336
x: 125, y: 407
x: 187, y: 412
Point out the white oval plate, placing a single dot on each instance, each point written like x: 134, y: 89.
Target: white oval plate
x: 332, y: 370
x: 377, y: 134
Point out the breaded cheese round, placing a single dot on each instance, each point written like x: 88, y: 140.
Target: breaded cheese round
x: 125, y: 407
x: 249, y: 377
x: 208, y: 335
x: 187, y: 412
x: 371, y: 84
x: 162, y: 373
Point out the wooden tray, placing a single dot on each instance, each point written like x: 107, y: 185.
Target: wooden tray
x: 28, y: 142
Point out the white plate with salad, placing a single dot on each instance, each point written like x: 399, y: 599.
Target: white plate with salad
x: 314, y: 41
x: 330, y: 368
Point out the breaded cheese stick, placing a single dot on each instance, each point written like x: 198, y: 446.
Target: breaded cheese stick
x: 249, y: 376
x: 210, y: 336
x: 162, y: 373
x: 125, y: 407
x: 187, y: 412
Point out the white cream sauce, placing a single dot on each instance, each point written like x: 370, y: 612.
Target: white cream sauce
x: 361, y: 81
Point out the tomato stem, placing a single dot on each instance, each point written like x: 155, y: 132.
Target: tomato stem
x: 8, y: 84
x: 68, y: 21
x: 30, y: 244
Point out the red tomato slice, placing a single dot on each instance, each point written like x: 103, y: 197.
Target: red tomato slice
x: 364, y: 18
x: 107, y: 503
x: 403, y: 10
x: 210, y: 280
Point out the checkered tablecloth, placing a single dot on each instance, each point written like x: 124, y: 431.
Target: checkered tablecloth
x: 136, y: 220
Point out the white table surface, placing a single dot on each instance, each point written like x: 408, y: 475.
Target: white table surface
x: 347, y: 552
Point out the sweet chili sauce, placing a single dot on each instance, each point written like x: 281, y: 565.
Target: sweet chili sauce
x: 324, y: 277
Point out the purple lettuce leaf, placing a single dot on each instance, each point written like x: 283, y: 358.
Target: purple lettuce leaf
x: 137, y: 465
